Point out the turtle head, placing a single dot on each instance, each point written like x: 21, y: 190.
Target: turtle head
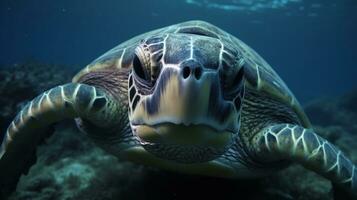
x: 185, y: 94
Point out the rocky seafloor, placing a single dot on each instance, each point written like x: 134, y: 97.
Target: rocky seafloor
x: 69, y: 166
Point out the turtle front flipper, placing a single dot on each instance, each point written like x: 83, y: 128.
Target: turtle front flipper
x: 294, y: 143
x: 31, y: 125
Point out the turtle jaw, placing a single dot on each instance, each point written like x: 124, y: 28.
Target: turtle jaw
x: 182, y: 143
x: 180, y: 134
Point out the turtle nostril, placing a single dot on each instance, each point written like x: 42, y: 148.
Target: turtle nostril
x: 198, y: 73
x: 186, y: 72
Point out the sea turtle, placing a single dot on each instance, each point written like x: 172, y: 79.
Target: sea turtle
x: 188, y: 97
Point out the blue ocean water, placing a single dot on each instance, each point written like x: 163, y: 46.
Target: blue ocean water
x: 311, y: 44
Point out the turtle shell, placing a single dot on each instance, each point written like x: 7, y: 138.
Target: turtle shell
x: 259, y: 75
x: 122, y: 55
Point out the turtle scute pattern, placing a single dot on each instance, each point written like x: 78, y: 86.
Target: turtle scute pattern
x: 121, y: 55
x: 258, y: 72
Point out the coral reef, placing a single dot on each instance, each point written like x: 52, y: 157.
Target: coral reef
x: 70, y: 166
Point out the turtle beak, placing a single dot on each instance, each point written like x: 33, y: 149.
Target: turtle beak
x: 189, y: 95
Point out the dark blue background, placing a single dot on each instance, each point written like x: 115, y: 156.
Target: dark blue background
x: 315, y: 55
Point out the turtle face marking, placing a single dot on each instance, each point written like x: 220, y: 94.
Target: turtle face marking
x: 185, y: 94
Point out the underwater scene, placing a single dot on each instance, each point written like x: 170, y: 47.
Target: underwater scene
x: 178, y: 99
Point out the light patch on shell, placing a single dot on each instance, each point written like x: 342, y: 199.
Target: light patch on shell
x: 258, y: 77
x: 120, y: 60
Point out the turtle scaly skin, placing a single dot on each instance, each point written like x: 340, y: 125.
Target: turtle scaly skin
x: 189, y: 98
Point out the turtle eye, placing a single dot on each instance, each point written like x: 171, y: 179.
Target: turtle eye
x: 142, y: 63
x: 139, y: 69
